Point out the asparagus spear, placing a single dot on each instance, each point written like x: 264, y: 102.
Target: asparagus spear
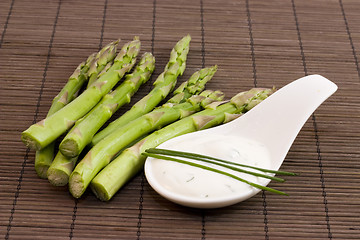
x: 47, y: 130
x: 83, y: 131
x: 162, y: 87
x: 101, y: 154
x: 44, y: 157
x: 131, y: 160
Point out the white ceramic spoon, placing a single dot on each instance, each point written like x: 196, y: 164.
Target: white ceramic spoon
x: 274, y: 123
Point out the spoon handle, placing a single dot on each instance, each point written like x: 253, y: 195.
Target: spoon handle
x: 277, y: 120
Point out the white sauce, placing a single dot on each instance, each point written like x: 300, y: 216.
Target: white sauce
x: 199, y: 183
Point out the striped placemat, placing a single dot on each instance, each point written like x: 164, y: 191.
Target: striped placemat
x: 254, y: 43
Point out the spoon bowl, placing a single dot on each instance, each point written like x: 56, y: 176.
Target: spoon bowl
x: 270, y: 128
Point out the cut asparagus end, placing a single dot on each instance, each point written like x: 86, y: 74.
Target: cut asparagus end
x: 43, y: 160
x: 30, y: 141
x: 60, y: 169
x: 57, y: 177
x: 76, y: 185
x: 41, y: 170
x: 69, y: 148
x: 100, y: 191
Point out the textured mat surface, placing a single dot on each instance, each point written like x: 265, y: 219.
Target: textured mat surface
x: 254, y: 43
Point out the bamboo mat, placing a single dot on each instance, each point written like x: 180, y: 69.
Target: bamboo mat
x: 254, y: 43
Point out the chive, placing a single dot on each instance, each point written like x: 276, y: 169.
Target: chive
x: 213, y: 170
x: 232, y: 168
x: 165, y: 153
x: 201, y: 157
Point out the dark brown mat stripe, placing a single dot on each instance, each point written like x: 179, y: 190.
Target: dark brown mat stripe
x: 254, y: 43
x: 141, y: 198
x: 321, y: 171
x: 350, y: 38
x: 8, y: 15
x: 253, y: 59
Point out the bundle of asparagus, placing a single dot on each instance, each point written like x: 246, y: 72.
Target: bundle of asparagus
x: 82, y: 133
x: 116, y: 152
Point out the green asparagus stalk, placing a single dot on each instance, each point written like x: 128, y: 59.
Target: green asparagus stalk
x: 162, y: 87
x: 101, y: 154
x: 44, y: 157
x: 83, y: 131
x: 131, y: 160
x: 39, y: 135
